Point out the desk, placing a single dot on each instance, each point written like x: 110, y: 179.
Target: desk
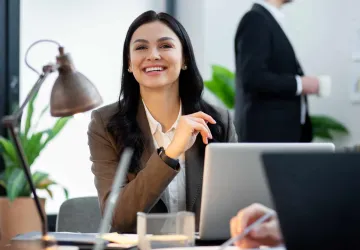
x: 31, y: 245
x: 35, y: 245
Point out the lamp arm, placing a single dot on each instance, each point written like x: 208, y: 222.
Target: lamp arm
x: 46, y: 71
x: 11, y: 122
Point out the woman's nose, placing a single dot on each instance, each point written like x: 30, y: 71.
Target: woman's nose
x: 154, y: 54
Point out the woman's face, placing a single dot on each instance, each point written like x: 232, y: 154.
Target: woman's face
x: 156, y: 57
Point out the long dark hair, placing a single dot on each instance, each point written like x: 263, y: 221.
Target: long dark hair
x: 123, y: 125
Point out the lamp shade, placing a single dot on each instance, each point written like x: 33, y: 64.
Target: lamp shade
x: 72, y: 91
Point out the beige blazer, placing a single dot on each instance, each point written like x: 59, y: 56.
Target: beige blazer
x: 143, y: 190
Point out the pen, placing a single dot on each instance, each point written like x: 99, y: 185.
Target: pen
x: 247, y: 230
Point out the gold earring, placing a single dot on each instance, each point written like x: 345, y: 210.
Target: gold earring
x: 129, y: 70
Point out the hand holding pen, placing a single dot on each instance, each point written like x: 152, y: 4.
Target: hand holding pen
x: 255, y: 226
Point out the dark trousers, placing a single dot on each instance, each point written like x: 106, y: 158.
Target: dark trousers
x: 306, y: 132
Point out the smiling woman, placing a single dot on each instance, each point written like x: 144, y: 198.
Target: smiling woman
x: 156, y: 62
x: 162, y: 116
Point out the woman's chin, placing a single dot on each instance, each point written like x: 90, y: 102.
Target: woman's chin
x: 156, y: 85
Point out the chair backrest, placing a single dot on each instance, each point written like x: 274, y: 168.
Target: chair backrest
x: 79, y: 215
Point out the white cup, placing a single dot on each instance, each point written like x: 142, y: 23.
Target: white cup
x: 324, y: 86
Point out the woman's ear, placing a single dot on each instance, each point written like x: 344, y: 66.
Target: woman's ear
x: 129, y: 67
x: 184, y: 66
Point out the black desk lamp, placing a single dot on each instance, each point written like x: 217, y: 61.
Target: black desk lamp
x: 72, y: 93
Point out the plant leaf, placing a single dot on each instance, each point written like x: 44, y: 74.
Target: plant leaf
x: 3, y: 179
x: 59, y: 125
x: 222, y: 91
x: 66, y: 192
x: 3, y: 184
x: 32, y: 147
x: 223, y: 74
x: 13, y: 178
x: 328, y: 123
x: 8, y: 148
x: 222, y: 85
x: 29, y: 114
x: 40, y: 116
x: 49, y: 192
x: 9, y: 167
x: 16, y: 184
x: 45, y: 183
x: 37, y: 178
x: 322, y: 133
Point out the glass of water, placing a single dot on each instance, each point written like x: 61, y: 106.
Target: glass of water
x: 165, y: 230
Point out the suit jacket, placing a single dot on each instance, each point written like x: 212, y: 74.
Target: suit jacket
x: 142, y: 191
x: 267, y: 108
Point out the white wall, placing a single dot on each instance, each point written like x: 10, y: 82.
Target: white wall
x: 323, y: 33
x: 192, y: 15
x: 194, y: 21
x: 93, y: 31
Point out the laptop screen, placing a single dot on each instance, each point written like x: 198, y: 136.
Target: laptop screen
x: 317, y: 197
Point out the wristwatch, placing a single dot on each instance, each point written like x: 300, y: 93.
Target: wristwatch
x: 173, y: 163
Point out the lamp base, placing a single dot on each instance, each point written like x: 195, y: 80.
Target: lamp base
x: 48, y: 242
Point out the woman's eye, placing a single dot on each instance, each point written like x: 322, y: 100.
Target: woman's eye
x: 166, y: 46
x: 140, y: 48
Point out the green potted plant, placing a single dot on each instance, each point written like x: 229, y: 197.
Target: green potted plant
x: 222, y: 85
x: 17, y: 210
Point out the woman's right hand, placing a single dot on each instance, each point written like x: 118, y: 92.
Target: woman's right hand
x: 188, y: 128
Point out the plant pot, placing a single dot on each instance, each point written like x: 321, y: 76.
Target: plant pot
x: 18, y: 217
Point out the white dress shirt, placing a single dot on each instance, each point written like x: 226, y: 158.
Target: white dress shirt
x: 279, y: 17
x: 174, y: 195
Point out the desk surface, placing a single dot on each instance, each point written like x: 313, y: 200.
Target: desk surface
x: 30, y: 245
x: 36, y: 245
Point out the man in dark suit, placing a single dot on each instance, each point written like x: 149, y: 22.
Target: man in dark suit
x: 271, y: 89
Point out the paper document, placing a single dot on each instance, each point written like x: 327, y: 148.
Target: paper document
x: 122, y: 240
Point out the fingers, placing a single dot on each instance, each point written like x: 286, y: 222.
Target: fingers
x: 202, y: 121
x: 203, y: 129
x: 234, y: 226
x: 250, y: 214
x: 248, y: 243
x: 264, y: 230
x: 244, y: 243
x: 268, y: 233
x: 204, y: 116
x: 234, y: 229
x: 268, y: 230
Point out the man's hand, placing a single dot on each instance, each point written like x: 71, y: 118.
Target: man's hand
x: 266, y: 234
x: 310, y: 85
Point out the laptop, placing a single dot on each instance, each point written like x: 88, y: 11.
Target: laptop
x: 233, y: 179
x: 317, y: 197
